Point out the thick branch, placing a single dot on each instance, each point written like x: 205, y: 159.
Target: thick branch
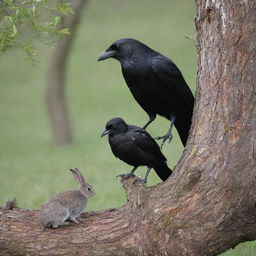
x: 162, y: 220
x: 97, y: 234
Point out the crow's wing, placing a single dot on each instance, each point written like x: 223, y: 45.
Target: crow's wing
x: 171, y: 78
x: 146, y: 143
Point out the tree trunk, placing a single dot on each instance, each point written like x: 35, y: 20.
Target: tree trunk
x: 55, y: 93
x: 209, y: 204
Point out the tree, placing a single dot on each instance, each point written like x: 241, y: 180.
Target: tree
x: 209, y: 204
x: 24, y: 21
x: 55, y: 93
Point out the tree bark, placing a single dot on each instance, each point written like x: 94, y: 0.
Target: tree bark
x: 209, y: 204
x: 55, y: 93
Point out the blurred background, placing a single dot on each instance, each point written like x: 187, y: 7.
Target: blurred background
x: 32, y: 166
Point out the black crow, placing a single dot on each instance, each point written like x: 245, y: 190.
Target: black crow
x: 136, y: 147
x: 156, y: 84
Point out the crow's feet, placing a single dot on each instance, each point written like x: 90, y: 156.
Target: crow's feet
x: 144, y: 182
x: 166, y: 137
x: 125, y: 176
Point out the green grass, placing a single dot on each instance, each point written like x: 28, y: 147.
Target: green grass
x: 32, y: 168
x: 244, y: 249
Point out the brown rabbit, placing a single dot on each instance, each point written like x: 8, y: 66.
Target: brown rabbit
x: 66, y: 206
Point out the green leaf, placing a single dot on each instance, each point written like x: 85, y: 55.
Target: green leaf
x: 64, y: 8
x: 14, y: 29
x: 57, y: 20
x: 64, y: 31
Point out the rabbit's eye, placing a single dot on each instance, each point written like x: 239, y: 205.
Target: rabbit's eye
x: 89, y: 189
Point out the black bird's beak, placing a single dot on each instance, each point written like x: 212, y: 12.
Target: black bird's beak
x: 106, y: 54
x: 105, y: 133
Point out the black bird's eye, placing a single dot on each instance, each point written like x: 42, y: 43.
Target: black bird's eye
x: 115, y: 46
x: 109, y: 127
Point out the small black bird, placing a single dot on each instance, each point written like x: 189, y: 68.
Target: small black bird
x: 136, y: 147
x: 156, y: 84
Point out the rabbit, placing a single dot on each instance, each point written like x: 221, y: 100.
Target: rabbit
x: 64, y: 207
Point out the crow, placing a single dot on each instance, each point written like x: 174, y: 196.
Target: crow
x: 156, y: 84
x: 136, y: 147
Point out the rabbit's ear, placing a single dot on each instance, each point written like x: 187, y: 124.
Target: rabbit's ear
x: 81, y: 178
x: 78, y: 176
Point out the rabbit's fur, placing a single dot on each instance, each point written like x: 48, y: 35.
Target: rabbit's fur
x: 66, y: 206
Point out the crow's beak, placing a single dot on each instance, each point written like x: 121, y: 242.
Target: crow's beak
x: 106, y: 54
x: 105, y: 133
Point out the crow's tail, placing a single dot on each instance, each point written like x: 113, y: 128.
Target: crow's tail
x: 183, y: 124
x: 162, y: 170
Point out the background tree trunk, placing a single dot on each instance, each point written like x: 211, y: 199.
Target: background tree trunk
x: 55, y: 93
x: 209, y: 204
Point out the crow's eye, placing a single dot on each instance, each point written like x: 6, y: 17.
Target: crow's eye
x: 115, y: 46
x: 109, y: 127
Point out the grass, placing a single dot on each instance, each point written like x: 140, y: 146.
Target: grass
x: 32, y: 168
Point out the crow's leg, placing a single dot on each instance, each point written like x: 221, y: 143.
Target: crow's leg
x: 152, y: 117
x: 128, y: 175
x: 146, y: 177
x: 168, y: 135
